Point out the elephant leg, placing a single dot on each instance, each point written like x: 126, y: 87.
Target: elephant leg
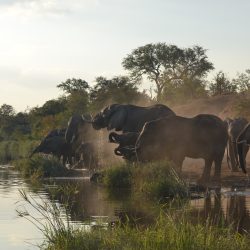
x: 178, y: 161
x: 245, y: 151
x: 207, y: 169
x: 217, y: 165
x: 232, y: 157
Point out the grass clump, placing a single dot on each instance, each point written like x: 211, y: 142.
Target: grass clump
x: 159, y: 180
x: 40, y: 167
x: 156, y: 180
x: 118, y: 177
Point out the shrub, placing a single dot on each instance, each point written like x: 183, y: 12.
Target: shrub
x: 39, y: 167
x: 118, y: 177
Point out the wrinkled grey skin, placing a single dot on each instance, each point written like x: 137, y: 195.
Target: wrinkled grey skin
x: 126, y: 142
x: 243, y: 143
x: 55, y: 145
x: 203, y: 136
x: 129, y: 118
x: 79, y: 135
x: 234, y: 128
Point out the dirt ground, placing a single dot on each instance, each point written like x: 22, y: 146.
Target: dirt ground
x: 192, y: 170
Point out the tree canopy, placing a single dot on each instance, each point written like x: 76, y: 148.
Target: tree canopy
x: 164, y: 64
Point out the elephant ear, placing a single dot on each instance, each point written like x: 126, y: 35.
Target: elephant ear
x: 118, y: 118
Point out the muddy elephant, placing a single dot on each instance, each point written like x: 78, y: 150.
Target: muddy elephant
x: 203, y: 136
x: 126, y: 142
x: 82, y: 137
x: 57, y: 146
x: 129, y: 118
x: 243, y: 143
x: 234, y: 127
x: 87, y: 155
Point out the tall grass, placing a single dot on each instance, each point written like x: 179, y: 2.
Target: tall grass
x: 13, y: 150
x: 157, y: 180
x: 172, y: 230
x: 40, y: 167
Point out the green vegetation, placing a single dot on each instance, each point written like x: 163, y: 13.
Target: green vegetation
x: 172, y: 230
x: 14, y: 150
x: 39, y: 167
x: 156, y: 180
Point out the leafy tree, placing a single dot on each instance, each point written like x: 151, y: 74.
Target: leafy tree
x: 119, y: 89
x: 163, y: 64
x: 179, y: 92
x: 73, y: 85
x: 221, y: 85
x: 242, y: 81
x: 6, y: 111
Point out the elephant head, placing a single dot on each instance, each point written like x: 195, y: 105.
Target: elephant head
x: 112, y: 117
x: 74, y: 124
x: 52, y: 145
x: 243, y: 141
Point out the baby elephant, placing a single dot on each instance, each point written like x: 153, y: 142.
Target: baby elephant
x: 126, y: 142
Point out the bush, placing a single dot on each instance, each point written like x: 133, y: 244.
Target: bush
x: 14, y: 150
x: 157, y: 180
x: 40, y: 167
x: 118, y: 177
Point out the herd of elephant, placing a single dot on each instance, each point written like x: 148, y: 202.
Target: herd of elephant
x: 152, y: 133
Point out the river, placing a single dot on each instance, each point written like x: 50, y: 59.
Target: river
x: 92, y: 206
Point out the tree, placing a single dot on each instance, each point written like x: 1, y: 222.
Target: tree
x: 6, y: 111
x: 163, y: 64
x: 74, y: 85
x: 221, y: 85
x: 242, y: 81
x: 119, y: 89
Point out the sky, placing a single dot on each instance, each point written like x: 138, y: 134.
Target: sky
x: 45, y: 42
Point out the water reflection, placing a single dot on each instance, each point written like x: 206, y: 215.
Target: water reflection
x: 225, y: 207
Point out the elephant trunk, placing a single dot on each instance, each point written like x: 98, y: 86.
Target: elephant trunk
x: 118, y: 152
x: 36, y: 150
x: 240, y: 147
x: 113, y: 137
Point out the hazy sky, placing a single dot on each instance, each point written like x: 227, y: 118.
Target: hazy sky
x: 44, y: 42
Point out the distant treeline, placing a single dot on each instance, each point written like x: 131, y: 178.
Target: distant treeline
x: 177, y: 75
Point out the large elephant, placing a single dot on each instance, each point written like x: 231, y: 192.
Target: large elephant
x: 234, y: 127
x: 243, y: 143
x: 129, y: 118
x: 81, y: 136
x: 87, y: 155
x: 126, y: 142
x: 203, y: 136
x: 55, y: 145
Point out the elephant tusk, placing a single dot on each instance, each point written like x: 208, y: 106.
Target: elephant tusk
x: 72, y: 139
x: 84, y: 119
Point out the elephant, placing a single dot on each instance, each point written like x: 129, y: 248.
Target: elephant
x: 81, y: 136
x: 234, y: 127
x: 129, y: 118
x: 243, y: 143
x: 126, y: 141
x: 87, y: 154
x: 56, y: 146
x: 175, y: 137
